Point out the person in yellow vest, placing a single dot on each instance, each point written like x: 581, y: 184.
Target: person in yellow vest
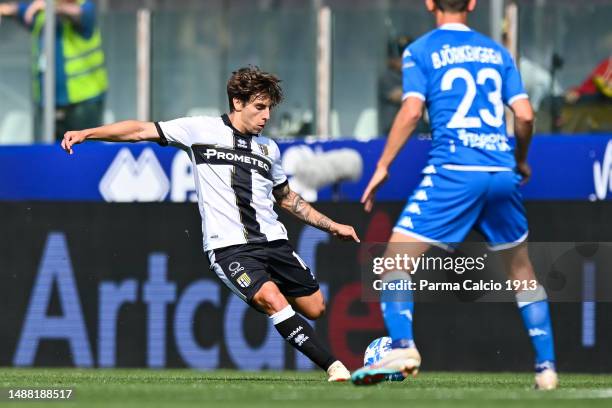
x: 81, y: 80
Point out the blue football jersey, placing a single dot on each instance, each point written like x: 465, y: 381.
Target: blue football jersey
x: 465, y: 78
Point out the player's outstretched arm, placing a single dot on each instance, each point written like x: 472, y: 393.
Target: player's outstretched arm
x: 296, y: 205
x: 404, y: 124
x: 523, y: 130
x: 126, y: 131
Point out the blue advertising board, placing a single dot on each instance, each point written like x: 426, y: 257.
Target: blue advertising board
x: 564, y: 168
x: 93, y: 284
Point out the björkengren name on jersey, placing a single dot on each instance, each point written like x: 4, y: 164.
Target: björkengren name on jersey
x: 456, y: 55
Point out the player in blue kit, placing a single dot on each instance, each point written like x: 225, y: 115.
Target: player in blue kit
x: 471, y: 181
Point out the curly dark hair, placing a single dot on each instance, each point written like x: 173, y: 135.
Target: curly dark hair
x: 452, y: 6
x: 250, y: 82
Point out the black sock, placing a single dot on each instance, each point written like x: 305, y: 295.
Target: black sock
x: 297, y: 332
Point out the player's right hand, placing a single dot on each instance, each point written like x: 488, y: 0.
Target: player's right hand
x: 378, y: 178
x: 72, y: 138
x: 524, y: 170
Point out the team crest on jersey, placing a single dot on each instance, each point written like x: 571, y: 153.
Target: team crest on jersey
x: 244, y: 280
x: 263, y: 149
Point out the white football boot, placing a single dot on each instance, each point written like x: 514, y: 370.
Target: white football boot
x: 337, y: 372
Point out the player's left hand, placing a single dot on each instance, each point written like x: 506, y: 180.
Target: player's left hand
x: 378, y: 178
x: 344, y: 232
x: 524, y: 169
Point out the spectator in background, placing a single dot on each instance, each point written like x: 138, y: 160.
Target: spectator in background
x: 588, y: 107
x: 539, y: 82
x: 597, y: 85
x: 390, y: 87
x: 81, y: 78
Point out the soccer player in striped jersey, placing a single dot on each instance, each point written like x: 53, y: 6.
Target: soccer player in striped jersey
x: 472, y: 178
x: 238, y: 176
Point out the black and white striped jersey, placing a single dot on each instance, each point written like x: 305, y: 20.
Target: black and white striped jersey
x: 234, y: 176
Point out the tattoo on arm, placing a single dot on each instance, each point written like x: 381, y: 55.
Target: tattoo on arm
x: 296, y: 205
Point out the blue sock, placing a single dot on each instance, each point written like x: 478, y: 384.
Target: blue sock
x: 536, y: 317
x: 397, y: 308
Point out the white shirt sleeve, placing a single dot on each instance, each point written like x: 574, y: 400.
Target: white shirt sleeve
x: 178, y: 132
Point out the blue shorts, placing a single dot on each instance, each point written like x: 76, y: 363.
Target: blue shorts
x: 449, y: 203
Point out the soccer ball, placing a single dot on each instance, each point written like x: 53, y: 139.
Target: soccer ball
x: 376, y: 351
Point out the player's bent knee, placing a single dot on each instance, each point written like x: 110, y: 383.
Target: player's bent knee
x: 269, y: 299
x: 314, y: 310
x: 319, y: 311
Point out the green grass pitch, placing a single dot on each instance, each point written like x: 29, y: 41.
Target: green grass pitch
x: 225, y: 389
